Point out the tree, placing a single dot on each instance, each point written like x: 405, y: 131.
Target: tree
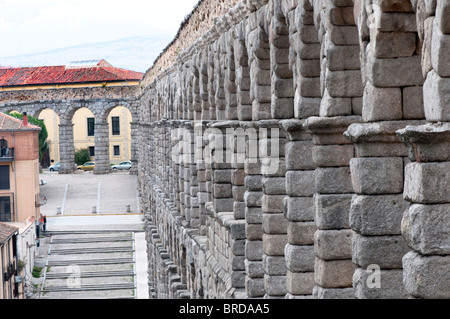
x: 43, y: 134
x: 82, y: 156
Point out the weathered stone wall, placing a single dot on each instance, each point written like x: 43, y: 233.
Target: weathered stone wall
x: 299, y: 149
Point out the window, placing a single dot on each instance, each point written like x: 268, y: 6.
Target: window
x: 116, y: 150
x: 91, y: 151
x: 91, y: 126
x: 4, y: 177
x: 115, y: 125
x: 5, y: 209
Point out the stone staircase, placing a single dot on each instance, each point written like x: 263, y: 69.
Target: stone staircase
x: 90, y: 265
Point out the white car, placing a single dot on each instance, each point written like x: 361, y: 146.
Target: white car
x: 54, y: 167
x: 124, y: 165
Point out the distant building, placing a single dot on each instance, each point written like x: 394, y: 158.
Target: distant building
x: 10, y: 286
x: 78, y: 74
x: 19, y: 169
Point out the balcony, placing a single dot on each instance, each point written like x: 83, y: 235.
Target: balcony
x: 7, y: 154
x: 10, y: 271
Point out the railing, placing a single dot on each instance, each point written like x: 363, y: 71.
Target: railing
x: 7, y: 154
x: 10, y: 271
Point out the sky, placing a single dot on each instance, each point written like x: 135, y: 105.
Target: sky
x: 31, y: 26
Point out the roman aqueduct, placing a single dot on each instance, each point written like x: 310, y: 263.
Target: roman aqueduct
x: 293, y: 149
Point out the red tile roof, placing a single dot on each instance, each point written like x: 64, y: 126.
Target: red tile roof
x: 9, y: 123
x: 43, y: 75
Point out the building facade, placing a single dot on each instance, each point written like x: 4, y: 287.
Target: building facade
x: 10, y: 286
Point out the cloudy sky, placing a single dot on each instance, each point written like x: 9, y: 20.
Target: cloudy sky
x: 30, y: 26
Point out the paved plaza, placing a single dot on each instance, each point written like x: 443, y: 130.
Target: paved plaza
x: 84, y: 192
x: 90, y: 255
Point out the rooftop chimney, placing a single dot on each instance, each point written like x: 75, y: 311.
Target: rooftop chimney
x: 25, y: 119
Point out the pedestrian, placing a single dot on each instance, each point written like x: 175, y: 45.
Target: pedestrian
x: 45, y: 223
x: 41, y: 222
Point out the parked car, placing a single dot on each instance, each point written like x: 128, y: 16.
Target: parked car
x: 123, y: 165
x: 88, y: 166
x: 54, y: 167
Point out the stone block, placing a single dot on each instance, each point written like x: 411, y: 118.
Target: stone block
x: 381, y: 103
x: 392, y: 44
x: 301, y: 233
x: 385, y: 251
x: 440, y: 46
x: 254, y: 231
x: 390, y: 284
x: 273, y: 245
x: 344, y: 83
x: 394, y: 5
x: 282, y: 108
x: 342, y: 58
x: 275, y: 285
x: 298, y: 209
x: 442, y: 14
x: 332, y: 211
x: 334, y: 273
x: 333, y: 244
x: 254, y: 268
x: 254, y: 287
x: 299, y: 258
x: 427, y: 183
x: 272, y: 203
x: 254, y: 250
x: 253, y: 215
x: 253, y: 199
x: 335, y: 106
x: 305, y: 107
x: 377, y: 175
x: 253, y: 182
x: 222, y: 176
x: 377, y: 215
x: 426, y: 276
x: 274, y: 265
x: 336, y: 293
x: 413, y: 107
x: 222, y: 190
x: 275, y: 223
x: 332, y: 155
x: 298, y: 155
x: 333, y: 180
x: 436, y: 97
x: 396, y: 72
x: 300, y: 183
x: 223, y: 204
x: 426, y: 228
x: 238, y: 193
x: 274, y: 185
x: 300, y: 283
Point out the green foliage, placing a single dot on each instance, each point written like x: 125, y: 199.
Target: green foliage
x: 37, y: 272
x: 43, y: 134
x: 82, y: 156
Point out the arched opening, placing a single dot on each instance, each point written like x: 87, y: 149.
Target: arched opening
x: 83, y: 121
x: 119, y: 120
x: 51, y: 121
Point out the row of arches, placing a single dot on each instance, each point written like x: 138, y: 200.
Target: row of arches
x: 315, y: 70
x: 104, y: 128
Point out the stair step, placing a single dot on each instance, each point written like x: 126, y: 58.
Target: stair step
x: 75, y: 251
x: 90, y: 240
x: 90, y: 262
x: 90, y: 287
x: 118, y: 273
